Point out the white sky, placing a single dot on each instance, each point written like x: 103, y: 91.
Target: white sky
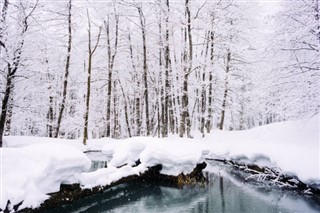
x: 270, y: 7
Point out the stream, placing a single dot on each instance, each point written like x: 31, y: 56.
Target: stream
x: 225, y: 193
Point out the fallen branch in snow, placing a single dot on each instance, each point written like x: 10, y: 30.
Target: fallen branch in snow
x: 90, y: 151
x: 271, y: 176
x: 9, y: 208
x: 74, y: 192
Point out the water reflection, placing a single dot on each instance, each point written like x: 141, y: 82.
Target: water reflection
x: 223, y: 195
x: 97, y: 165
x: 223, y: 204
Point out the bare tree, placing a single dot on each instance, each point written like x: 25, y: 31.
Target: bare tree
x: 66, y: 72
x: 91, y: 51
x: 111, y: 57
x: 167, y: 111
x: 13, y: 60
x: 225, y: 94
x: 145, y: 68
x: 185, y: 124
x: 210, y: 93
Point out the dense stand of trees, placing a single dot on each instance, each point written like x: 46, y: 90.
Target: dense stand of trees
x: 161, y: 67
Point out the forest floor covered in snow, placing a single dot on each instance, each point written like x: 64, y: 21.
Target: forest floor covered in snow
x: 33, y: 167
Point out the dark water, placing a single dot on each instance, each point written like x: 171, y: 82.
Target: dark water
x: 224, y: 194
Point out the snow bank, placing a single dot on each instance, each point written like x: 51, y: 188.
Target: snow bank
x: 33, y: 168
x: 30, y: 173
x: 106, y: 176
x: 23, y: 141
x: 292, y: 146
x: 175, y: 157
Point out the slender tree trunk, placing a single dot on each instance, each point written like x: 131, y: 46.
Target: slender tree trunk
x: 138, y: 112
x: 168, y: 95
x: 11, y: 68
x: 145, y: 69
x: 86, y: 117
x: 91, y: 51
x: 204, y: 86
x: 66, y: 73
x: 3, y: 26
x: 9, y: 117
x: 225, y: 91
x: 185, y: 124
x: 111, y: 58
x: 161, y: 98
x: 126, y: 110
x: 116, y: 129
x: 210, y: 94
x: 109, y: 84
x: 4, y: 106
x: 136, y: 103
x: 50, y: 118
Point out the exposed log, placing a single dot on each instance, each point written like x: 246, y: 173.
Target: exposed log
x: 71, y: 193
x: 270, y: 176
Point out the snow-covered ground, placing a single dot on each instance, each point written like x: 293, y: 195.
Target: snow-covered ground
x: 32, y: 167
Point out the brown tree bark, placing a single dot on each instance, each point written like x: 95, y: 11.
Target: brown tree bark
x: 137, y: 101
x: 125, y: 109
x: 91, y: 51
x: 223, y: 111
x: 111, y: 58
x: 210, y: 93
x: 12, y: 66
x: 145, y: 69
x: 204, y: 86
x: 185, y: 124
x: 9, y: 117
x: 66, y: 72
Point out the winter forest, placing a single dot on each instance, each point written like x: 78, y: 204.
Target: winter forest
x: 79, y: 69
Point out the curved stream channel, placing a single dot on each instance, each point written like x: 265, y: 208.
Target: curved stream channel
x: 225, y: 193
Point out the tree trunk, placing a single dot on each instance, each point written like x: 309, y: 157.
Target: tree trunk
x: 90, y: 55
x: 66, y: 73
x: 204, y: 85
x: 50, y: 118
x: 160, y: 91
x: 11, y: 68
x: 136, y: 104
x: 125, y: 110
x: 4, y: 106
x: 210, y: 94
x: 116, y: 128
x: 169, y: 104
x: 9, y: 117
x: 145, y: 69
x: 225, y: 91
x: 185, y: 124
x: 111, y: 58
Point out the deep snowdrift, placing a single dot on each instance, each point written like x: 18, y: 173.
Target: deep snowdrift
x: 30, y: 172
x: 33, y: 167
x: 293, y: 146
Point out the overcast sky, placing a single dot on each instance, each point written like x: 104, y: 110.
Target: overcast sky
x: 270, y: 7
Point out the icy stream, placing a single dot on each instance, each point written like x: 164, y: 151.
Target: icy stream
x: 225, y: 193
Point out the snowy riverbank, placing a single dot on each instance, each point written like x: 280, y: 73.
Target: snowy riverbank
x: 33, y: 167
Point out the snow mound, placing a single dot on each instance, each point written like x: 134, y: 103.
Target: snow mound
x: 175, y: 158
x: 106, y: 176
x: 292, y: 146
x: 30, y: 173
x: 31, y: 170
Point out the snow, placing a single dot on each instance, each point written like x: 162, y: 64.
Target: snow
x: 29, y: 173
x: 33, y: 167
x: 108, y: 175
x: 292, y: 146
